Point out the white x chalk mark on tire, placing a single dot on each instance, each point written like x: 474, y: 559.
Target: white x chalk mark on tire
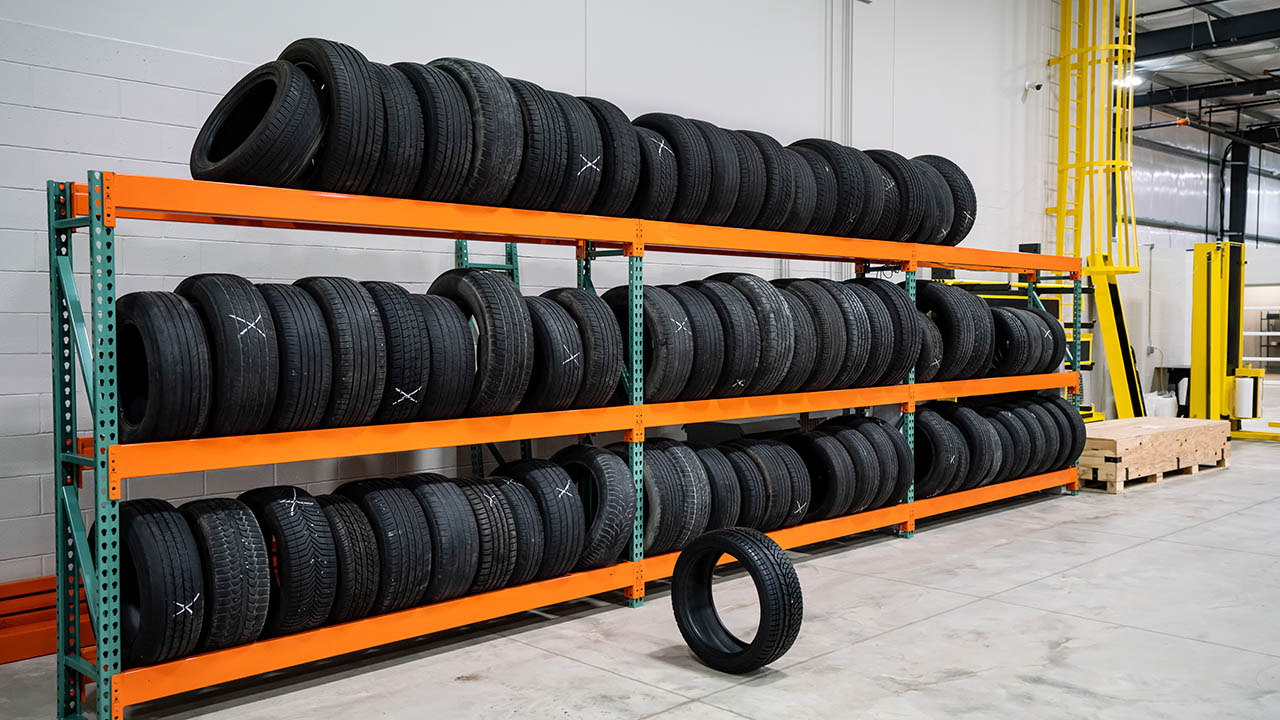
x: 186, y: 608
x: 589, y: 163
x: 407, y: 395
x: 249, y: 325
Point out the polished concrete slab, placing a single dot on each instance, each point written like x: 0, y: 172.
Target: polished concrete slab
x: 1157, y: 603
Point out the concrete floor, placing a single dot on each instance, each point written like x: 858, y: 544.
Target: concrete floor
x: 1158, y: 603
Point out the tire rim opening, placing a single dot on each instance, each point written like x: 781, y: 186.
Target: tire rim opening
x: 243, y: 118
x: 134, y: 374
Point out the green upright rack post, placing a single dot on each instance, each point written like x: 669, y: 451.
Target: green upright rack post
x: 633, y: 376
x: 909, y: 418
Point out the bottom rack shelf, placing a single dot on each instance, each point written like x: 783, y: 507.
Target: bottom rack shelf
x: 192, y: 673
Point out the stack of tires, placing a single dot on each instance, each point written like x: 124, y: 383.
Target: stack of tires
x: 454, y: 130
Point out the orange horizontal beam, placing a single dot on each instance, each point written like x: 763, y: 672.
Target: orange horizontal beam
x: 689, y: 411
x: 991, y: 493
x: 156, y: 681
x: 995, y: 385
x: 33, y: 639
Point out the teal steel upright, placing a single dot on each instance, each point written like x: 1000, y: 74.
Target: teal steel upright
x: 909, y: 418
x: 633, y: 376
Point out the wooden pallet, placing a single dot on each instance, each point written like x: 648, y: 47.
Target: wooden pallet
x: 1137, y: 451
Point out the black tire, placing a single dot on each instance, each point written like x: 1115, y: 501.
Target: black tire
x: 1019, y: 439
x: 351, y: 100
x: 962, y: 195
x: 867, y: 478
x: 804, y: 197
x: 448, y: 142
x: 1063, y: 432
x: 726, y: 497
x: 983, y: 337
x: 265, y: 130
x: 899, y: 472
x: 661, y: 496
x: 828, y: 338
x: 708, y: 342
x: 725, y: 181
x: 531, y: 542
x: 1012, y: 343
x: 602, y: 344
x: 403, y: 137
x: 940, y: 454
x: 890, y: 202
x: 906, y: 328
x: 826, y: 192
x: 883, y: 338
x: 944, y: 204
x: 304, y: 578
x: 237, y: 571
x: 777, y: 329
x: 1035, y: 445
x: 804, y: 354
x: 752, y: 182
x: 451, y: 364
x: 693, y: 162
x: 781, y: 604
x: 455, y: 538
x: 857, y: 330
x: 751, y: 486
x: 1057, y: 341
x: 695, y: 487
x: 496, y: 532
x: 830, y: 473
x: 546, y: 144
x: 359, y: 345
x: 779, y: 182
x: 950, y: 310
x: 306, y: 358
x: 165, y: 372
x: 160, y: 569
x: 1048, y: 429
x: 408, y: 353
x: 504, y: 336
x: 912, y: 195
x: 557, y: 357
x: 668, y: 342
x: 608, y: 494
x: 563, y: 519
x: 984, y: 444
x: 621, y: 172
x: 659, y: 172
x: 1078, y: 432
x: 243, y: 352
x: 1007, y: 450
x: 496, y: 129
x: 404, y: 541
x: 741, y: 336
x: 859, y: 200
x: 931, y: 216
x: 1038, y: 344
x: 356, y: 550
x: 885, y: 451
x: 585, y: 160
x: 777, y: 482
x: 931, y: 350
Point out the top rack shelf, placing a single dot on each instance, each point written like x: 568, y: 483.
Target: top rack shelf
x: 152, y: 198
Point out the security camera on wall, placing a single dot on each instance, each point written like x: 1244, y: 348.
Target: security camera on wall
x: 1033, y: 85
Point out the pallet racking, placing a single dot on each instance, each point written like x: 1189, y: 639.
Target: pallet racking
x: 89, y: 573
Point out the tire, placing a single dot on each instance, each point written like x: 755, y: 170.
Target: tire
x: 1012, y: 343
x: 931, y: 350
x: 451, y: 362
x: 243, y: 351
x: 741, y: 336
x: 886, y: 456
x: 408, y: 353
x: 306, y: 358
x: 944, y: 204
x: 165, y: 372
x: 359, y: 345
x: 403, y: 537
x: 1058, y: 341
x: 752, y: 182
x: 530, y: 539
x: 160, y: 569
x: 661, y: 495
x: 1063, y: 432
x: 545, y: 159
x: 803, y: 357
x: 497, y: 535
x: 497, y: 145
x: 693, y: 162
x: 1007, y: 450
x: 983, y: 337
x: 858, y: 200
x: 751, y: 486
x: 1039, y: 346
x: 1019, y: 439
x: 951, y: 312
x: 621, y: 173
x: 726, y: 498
x: 904, y: 460
x: 857, y: 330
x: 237, y: 571
x: 828, y: 336
x: 779, y: 182
x: 962, y: 195
x: 805, y: 193
x: 448, y: 144
x: 351, y: 102
x: 778, y: 588
x: 912, y: 196
x: 356, y: 550
x: 777, y: 329
x: 557, y: 357
x: 830, y: 473
x: 695, y: 487
x: 403, y: 137
x: 866, y: 479
x: 777, y: 482
x: 659, y: 173
x: 826, y: 191
x: 725, y: 181
x: 1048, y: 430
x: 931, y: 217
x: 890, y: 202
x: 504, y: 336
x: 584, y: 164
x: 1036, y: 444
x: 938, y: 454
x: 455, y: 538
x: 1078, y: 432
x: 265, y: 130
x: 906, y: 328
x: 304, y: 578
x: 708, y: 342
x: 883, y: 339
x: 608, y: 493
x: 984, y: 445
x: 563, y: 519
x: 602, y: 344
x: 801, y: 485
x: 668, y: 341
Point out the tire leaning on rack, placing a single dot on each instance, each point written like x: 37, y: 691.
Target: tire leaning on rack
x: 953, y: 315
x: 496, y: 532
x: 668, y: 341
x: 906, y: 328
x: 726, y: 496
x: 546, y: 143
x: 356, y: 550
x: 931, y: 351
x: 359, y: 345
x: 305, y: 578
x: 725, y: 173
x: 693, y: 163
x: 621, y: 158
x: 455, y: 539
x: 857, y: 332
x: 777, y: 586
x: 805, y: 349
x: 164, y: 369
x: 265, y: 130
x: 584, y: 167
x: 801, y: 485
x: 777, y: 329
x: 662, y: 517
x: 985, y: 451
x: 237, y: 571
x: 306, y: 358
x: 708, y: 342
x: 915, y: 204
x: 741, y: 336
x: 448, y: 141
x: 659, y: 173
x: 408, y: 356
x: 602, y: 344
x: 1058, y: 340
x: 557, y: 357
x: 403, y: 538
x: 830, y: 473
x: 940, y: 453
x: 944, y: 204
x: 804, y: 196
x: 884, y: 345
x: 1012, y: 343
x: 606, y: 479
x: 403, y: 137
x: 496, y: 130
x: 560, y: 506
x: 983, y: 337
x: 694, y: 486
x: 531, y: 541
x: 826, y: 192
x: 962, y: 195
x: 452, y: 364
x: 866, y: 467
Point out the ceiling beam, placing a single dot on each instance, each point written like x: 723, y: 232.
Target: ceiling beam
x: 1223, y: 32
x: 1205, y: 91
